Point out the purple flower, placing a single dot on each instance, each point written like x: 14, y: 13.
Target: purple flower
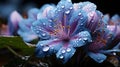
x: 14, y: 19
x: 62, y: 29
x: 103, y: 37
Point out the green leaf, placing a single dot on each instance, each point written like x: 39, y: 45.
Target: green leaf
x: 16, y: 43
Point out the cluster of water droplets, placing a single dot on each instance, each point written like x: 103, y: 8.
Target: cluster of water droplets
x: 63, y: 51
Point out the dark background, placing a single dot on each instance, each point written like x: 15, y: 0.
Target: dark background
x: 106, y: 6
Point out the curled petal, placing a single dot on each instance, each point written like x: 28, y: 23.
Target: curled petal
x: 98, y: 57
x: 65, y: 54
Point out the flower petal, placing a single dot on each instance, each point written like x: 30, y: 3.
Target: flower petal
x: 98, y: 57
x: 25, y: 24
x: 88, y: 6
x: 80, y: 39
x: 27, y: 36
x: 32, y: 13
x: 14, y: 19
x: 106, y: 18
x: 77, y: 21
x: 63, y: 12
x: 47, y: 47
x: 116, y: 19
x: 47, y: 11
x: 65, y: 53
x: 43, y: 27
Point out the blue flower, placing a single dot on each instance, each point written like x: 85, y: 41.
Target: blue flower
x: 25, y: 26
x: 62, y: 29
x: 103, y: 37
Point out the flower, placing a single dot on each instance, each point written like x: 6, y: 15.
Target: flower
x: 14, y: 19
x: 61, y: 29
x: 103, y: 37
x: 25, y: 26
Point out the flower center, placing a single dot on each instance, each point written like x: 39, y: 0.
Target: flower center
x: 62, y: 32
x: 66, y: 40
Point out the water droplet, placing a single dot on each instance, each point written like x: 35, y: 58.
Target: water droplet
x: 67, y: 12
x: 52, y: 47
x: 79, y: 14
x: 91, y: 14
x: 63, y: 6
x: 92, y: 21
x: 43, y: 23
x: 63, y: 51
x: 114, y: 53
x: 85, y: 38
x: 61, y: 57
x: 50, y: 20
x: 81, y: 24
x: 81, y: 18
x: 68, y: 49
x: 46, y: 48
x: 37, y: 31
x: 41, y: 44
x: 69, y: 0
x: 71, y: 8
x: 43, y: 34
x: 99, y: 59
x: 80, y: 39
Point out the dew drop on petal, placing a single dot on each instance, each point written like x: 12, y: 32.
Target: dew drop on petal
x: 44, y: 24
x: 69, y: 0
x: 85, y: 38
x: 62, y: 6
x: 67, y: 12
x: 37, y: 31
x: 92, y: 21
x: 41, y: 44
x: 91, y: 15
x: 80, y: 39
x: 81, y: 18
x: 46, y: 48
x: 50, y: 20
x: 43, y: 34
x: 63, y: 51
x: 81, y: 24
x: 79, y: 14
x: 68, y: 49
x: 114, y: 53
x: 61, y: 57
x: 71, y: 8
